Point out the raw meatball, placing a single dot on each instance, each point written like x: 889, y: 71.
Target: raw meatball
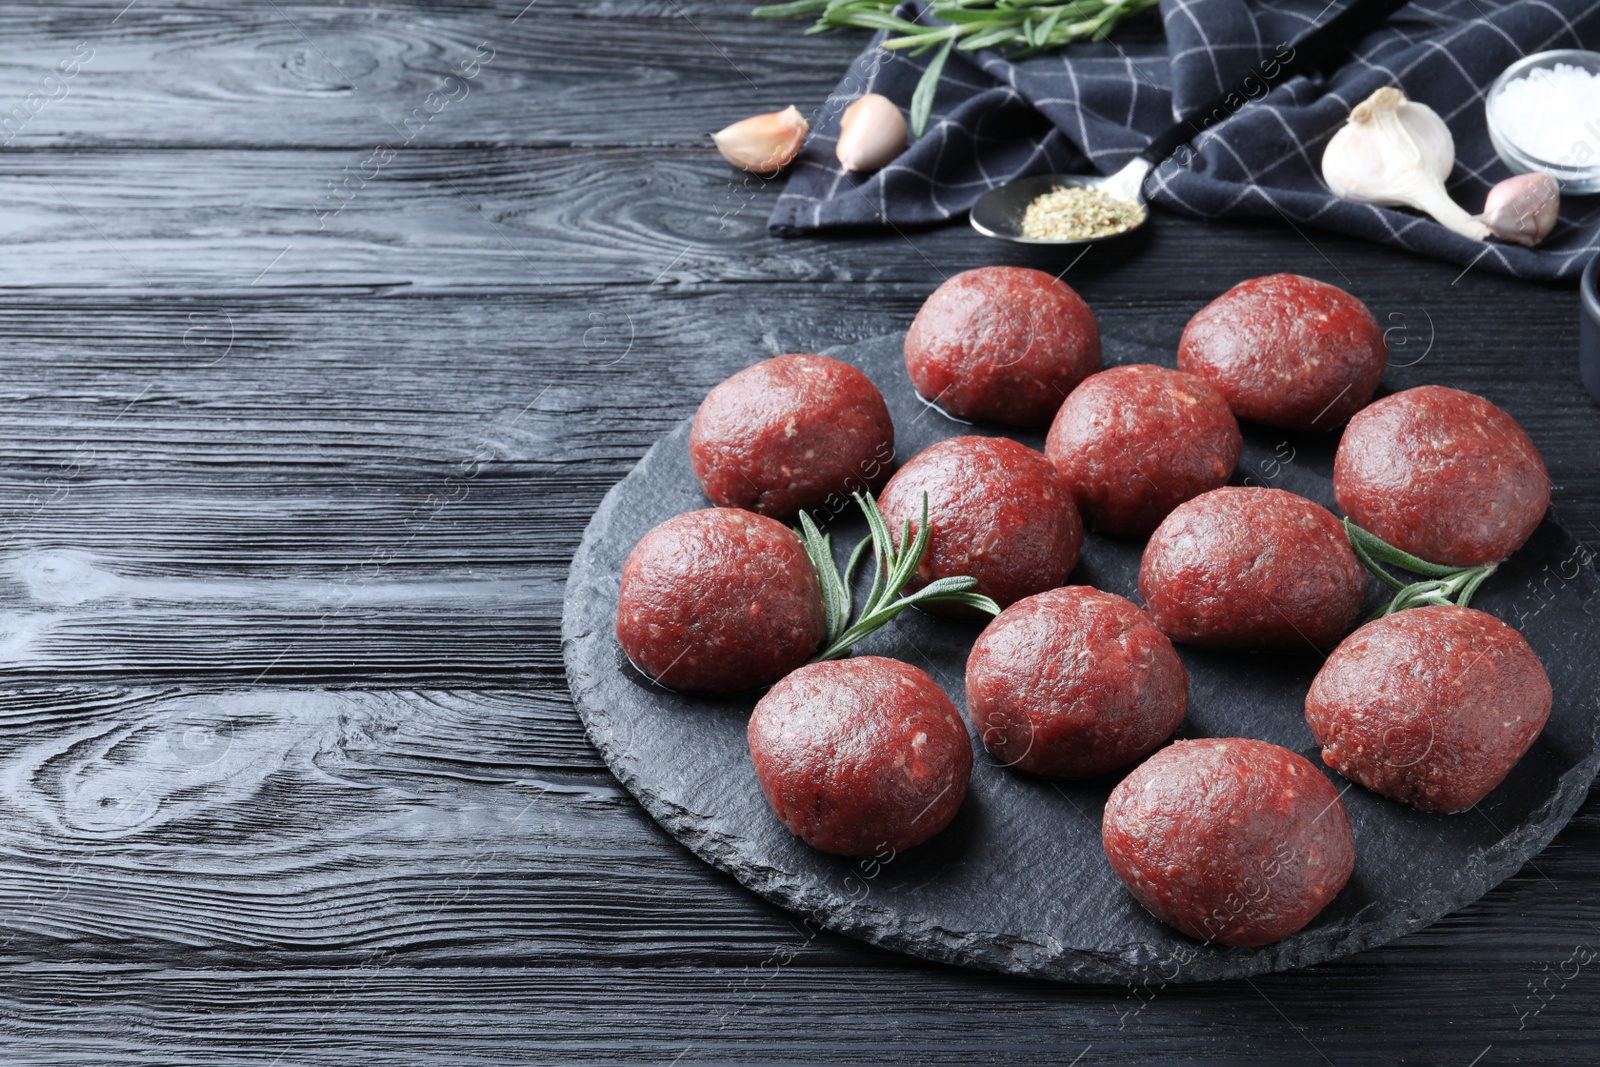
x: 719, y: 600
x: 1074, y: 682
x: 861, y: 757
x: 1252, y: 568
x: 1442, y: 474
x: 1002, y: 344
x: 1431, y: 706
x: 1287, y: 351
x: 1000, y: 513
x: 791, y: 433
x: 1229, y: 840
x: 1137, y: 441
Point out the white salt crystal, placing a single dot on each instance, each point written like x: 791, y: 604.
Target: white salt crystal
x: 1553, y: 114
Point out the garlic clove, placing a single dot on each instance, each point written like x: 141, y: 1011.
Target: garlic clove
x: 764, y: 144
x: 1396, y: 152
x: 872, y: 132
x: 1523, y: 209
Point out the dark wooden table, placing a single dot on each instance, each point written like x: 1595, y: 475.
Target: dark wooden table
x: 325, y: 328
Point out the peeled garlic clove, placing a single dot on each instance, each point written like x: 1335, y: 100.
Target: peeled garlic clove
x: 766, y: 143
x: 1523, y: 209
x: 871, y: 133
x: 1396, y: 152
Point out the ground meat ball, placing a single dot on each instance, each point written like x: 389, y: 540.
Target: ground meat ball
x: 1002, y: 344
x: 1000, y: 513
x: 791, y: 433
x: 719, y: 600
x: 1287, y: 351
x: 1431, y: 706
x: 1252, y: 568
x: 1229, y: 840
x: 1137, y: 441
x: 1443, y: 474
x: 861, y: 757
x: 1074, y: 682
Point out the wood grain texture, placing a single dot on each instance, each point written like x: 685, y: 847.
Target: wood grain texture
x: 353, y: 76
x: 333, y: 858
x: 399, y: 1015
x: 220, y: 222
x: 327, y: 825
x: 287, y: 496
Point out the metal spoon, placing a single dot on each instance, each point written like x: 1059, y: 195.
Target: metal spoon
x: 998, y: 213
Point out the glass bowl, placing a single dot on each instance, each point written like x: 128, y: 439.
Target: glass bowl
x: 1577, y: 169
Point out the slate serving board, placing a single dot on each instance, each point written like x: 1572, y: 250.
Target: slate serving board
x: 1019, y: 883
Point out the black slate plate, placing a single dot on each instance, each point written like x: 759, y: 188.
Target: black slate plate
x: 1019, y: 882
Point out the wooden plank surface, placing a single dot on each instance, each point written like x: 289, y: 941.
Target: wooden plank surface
x: 287, y: 496
x: 354, y: 76
x: 469, y: 220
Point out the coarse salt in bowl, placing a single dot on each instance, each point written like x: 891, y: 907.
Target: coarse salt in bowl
x: 1544, y: 115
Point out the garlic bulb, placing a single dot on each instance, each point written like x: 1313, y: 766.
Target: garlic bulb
x: 871, y: 133
x: 766, y: 143
x: 1523, y: 209
x: 1395, y: 152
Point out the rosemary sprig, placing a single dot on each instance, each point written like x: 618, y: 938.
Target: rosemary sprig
x: 1016, y: 27
x: 892, y: 568
x: 1440, y: 584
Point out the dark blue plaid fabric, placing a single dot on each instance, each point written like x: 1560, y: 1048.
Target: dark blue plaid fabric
x: 1092, y: 107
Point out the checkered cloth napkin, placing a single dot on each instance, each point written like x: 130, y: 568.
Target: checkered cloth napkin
x: 1092, y: 107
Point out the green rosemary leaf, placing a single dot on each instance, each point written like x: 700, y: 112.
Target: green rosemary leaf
x: 850, y: 637
x: 791, y: 10
x: 850, y: 568
x: 971, y: 600
x: 990, y: 38
x: 835, y: 594
x: 927, y: 86
x: 940, y: 586
x: 913, y: 548
x: 893, y: 568
x: 873, y: 20
x: 882, y: 551
x: 877, y: 525
x: 1372, y: 565
x: 924, y: 39
x: 1440, y: 585
x: 1387, y: 553
x: 1464, y: 598
x: 1022, y: 27
x: 950, y: 594
x: 1041, y: 36
x: 966, y: 16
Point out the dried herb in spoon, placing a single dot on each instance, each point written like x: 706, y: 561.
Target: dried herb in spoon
x: 892, y: 568
x: 1079, y: 213
x: 1439, y: 584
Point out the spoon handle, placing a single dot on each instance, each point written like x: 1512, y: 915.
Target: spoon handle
x: 1315, y: 51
